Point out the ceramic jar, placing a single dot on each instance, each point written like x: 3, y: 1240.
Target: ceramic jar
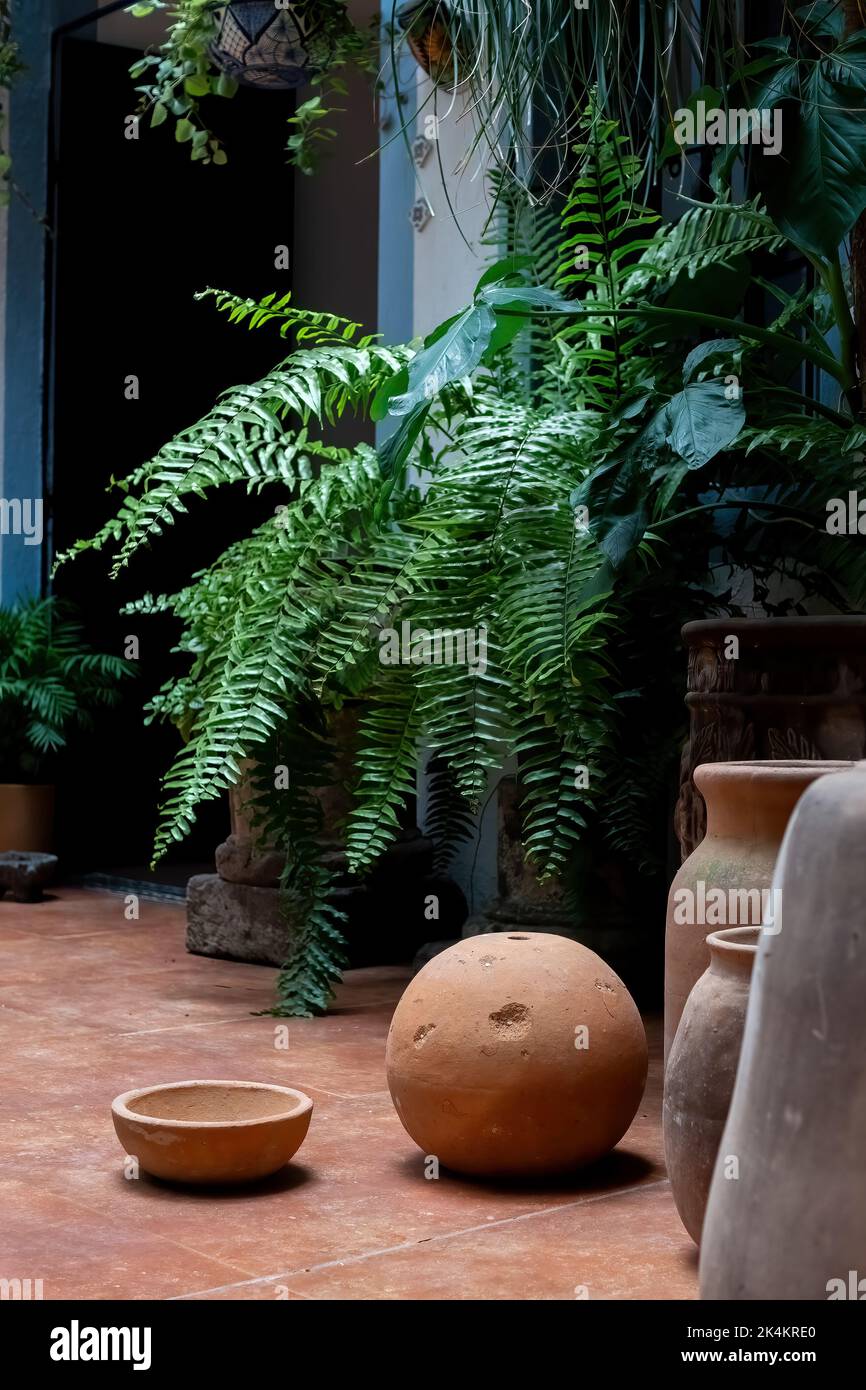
x: 770, y: 688
x: 702, y: 1068
x: 516, y: 1054
x: 727, y: 881
x: 786, y: 1218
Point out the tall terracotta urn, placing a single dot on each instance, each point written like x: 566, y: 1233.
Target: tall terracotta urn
x: 702, y: 1068
x: 770, y: 688
x: 786, y: 1217
x: 726, y: 881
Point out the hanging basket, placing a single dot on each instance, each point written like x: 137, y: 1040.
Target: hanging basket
x: 424, y: 22
x: 262, y: 46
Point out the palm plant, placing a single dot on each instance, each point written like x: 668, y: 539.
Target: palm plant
x: 598, y: 466
x: 51, y: 682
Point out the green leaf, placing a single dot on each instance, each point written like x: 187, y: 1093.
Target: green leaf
x: 503, y: 270
x: 159, y: 114
x: 700, y: 421
x: 394, y: 386
x: 184, y: 131
x: 197, y: 86
x: 396, y: 449
x: 823, y: 17
x: 453, y: 356
x: 816, y: 189
x: 715, y: 347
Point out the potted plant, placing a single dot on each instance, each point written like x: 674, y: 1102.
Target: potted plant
x: 612, y: 421
x: 212, y: 48
x: 51, y: 682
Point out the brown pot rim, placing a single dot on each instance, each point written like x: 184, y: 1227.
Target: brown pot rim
x: 120, y: 1105
x: 733, y: 940
x: 812, y: 632
x: 29, y: 786
x: 774, y: 769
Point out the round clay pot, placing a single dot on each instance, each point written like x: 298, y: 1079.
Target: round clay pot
x: 786, y: 1217
x: 726, y: 882
x: 26, y: 817
x: 515, y: 1054
x: 702, y: 1067
x: 212, y: 1131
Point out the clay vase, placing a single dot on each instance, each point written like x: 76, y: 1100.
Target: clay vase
x: 516, y: 1054
x: 792, y: 1225
x: 702, y: 1068
x: 726, y: 882
x: 770, y: 688
x: 26, y: 817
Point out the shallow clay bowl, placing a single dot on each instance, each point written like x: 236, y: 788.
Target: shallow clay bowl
x: 212, y: 1131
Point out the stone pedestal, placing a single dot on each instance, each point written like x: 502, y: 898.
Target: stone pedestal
x: 386, y: 913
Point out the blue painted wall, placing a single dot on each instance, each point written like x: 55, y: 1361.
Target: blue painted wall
x: 21, y: 566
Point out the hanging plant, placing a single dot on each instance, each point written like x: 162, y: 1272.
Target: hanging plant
x: 211, y: 49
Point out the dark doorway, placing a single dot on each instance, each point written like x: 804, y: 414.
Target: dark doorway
x: 138, y: 229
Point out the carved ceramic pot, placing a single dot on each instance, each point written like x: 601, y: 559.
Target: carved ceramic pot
x: 701, y: 1070
x: 516, y: 1054
x: 786, y: 1218
x: 727, y: 881
x: 770, y: 688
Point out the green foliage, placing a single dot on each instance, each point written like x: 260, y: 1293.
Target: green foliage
x: 183, y: 74
x: 699, y: 468
x: 51, y: 682
x: 818, y: 83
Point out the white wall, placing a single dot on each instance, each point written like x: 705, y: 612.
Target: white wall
x: 446, y: 267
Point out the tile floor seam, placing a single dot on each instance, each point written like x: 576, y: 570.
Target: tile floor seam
x: 635, y: 1190
x: 180, y: 1027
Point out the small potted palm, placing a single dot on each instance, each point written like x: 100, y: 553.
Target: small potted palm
x: 51, y: 681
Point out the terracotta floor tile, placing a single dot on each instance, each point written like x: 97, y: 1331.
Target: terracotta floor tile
x: 624, y: 1246
x: 48, y: 1237
x: 89, y: 1008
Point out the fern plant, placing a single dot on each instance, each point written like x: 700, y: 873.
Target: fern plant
x: 51, y: 683
x: 599, y: 465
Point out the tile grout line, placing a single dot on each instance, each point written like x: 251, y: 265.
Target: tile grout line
x: 637, y: 1188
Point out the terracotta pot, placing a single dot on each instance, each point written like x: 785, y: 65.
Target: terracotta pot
x: 727, y: 880
x: 516, y: 1054
x: 702, y: 1068
x: 26, y: 817
x: 428, y: 37
x: 786, y: 1217
x: 212, y: 1131
x: 786, y: 688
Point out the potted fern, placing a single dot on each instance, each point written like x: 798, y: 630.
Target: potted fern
x: 51, y: 683
x: 589, y: 451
